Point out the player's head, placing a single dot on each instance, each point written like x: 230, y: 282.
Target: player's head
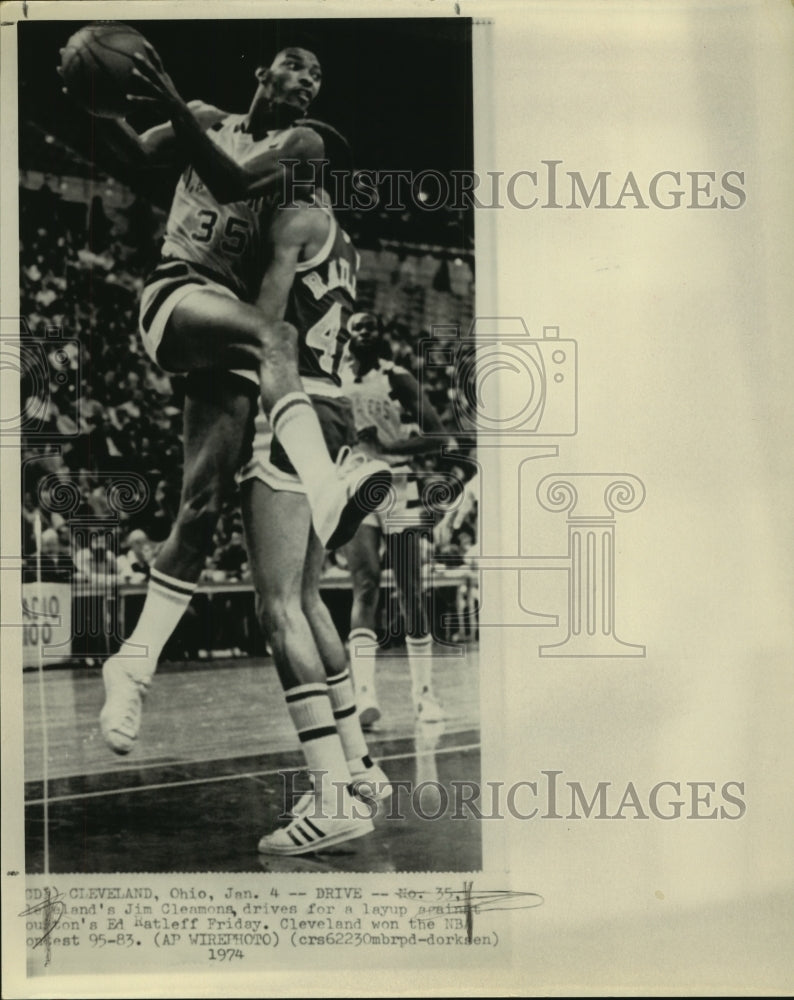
x: 292, y: 80
x: 366, y: 337
x: 137, y: 540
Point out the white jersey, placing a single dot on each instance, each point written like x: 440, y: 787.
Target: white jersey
x: 375, y: 403
x: 225, y: 242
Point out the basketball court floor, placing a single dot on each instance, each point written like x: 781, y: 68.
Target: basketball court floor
x: 216, y: 761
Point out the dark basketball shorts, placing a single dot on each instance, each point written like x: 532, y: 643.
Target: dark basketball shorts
x: 269, y: 462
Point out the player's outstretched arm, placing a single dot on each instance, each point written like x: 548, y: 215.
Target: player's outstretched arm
x: 155, y: 147
x: 122, y: 140
x: 291, y: 232
x: 117, y: 136
x: 409, y: 394
x: 227, y: 180
x: 159, y: 145
x: 160, y: 142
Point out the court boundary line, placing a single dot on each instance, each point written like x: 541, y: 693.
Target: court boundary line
x: 134, y: 766
x: 235, y: 776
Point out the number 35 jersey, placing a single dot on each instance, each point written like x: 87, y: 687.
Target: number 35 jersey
x: 224, y: 242
x: 321, y: 301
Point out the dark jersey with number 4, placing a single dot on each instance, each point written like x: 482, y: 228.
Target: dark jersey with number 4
x: 321, y: 301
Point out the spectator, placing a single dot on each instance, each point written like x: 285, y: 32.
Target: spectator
x: 96, y: 564
x: 133, y: 565
x: 54, y: 565
x: 467, y: 599
x: 232, y: 558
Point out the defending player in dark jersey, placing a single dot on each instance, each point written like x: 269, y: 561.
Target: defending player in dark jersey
x: 198, y: 317
x: 385, y: 400
x: 312, y: 282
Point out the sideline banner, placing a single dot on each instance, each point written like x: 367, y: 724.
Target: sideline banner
x: 47, y: 613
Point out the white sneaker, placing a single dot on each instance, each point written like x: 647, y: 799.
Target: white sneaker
x: 306, y: 834
x: 370, y: 784
x: 120, y: 718
x: 362, y: 485
x: 428, y: 708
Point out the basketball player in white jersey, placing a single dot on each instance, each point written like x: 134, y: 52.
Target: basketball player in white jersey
x: 311, y: 282
x: 385, y: 397
x: 198, y: 317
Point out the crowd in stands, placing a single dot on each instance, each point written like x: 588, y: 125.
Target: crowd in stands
x: 95, y: 407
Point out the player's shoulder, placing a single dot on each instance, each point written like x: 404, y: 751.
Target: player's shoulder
x: 306, y: 139
x: 299, y: 222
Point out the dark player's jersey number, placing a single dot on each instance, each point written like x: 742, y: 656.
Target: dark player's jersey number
x: 235, y: 232
x: 327, y: 339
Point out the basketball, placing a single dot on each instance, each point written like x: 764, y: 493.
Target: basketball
x: 97, y: 64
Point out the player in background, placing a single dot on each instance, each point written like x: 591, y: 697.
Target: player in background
x: 311, y: 282
x: 198, y: 317
x: 457, y: 528
x: 385, y: 397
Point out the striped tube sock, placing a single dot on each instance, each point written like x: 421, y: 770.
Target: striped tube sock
x: 166, y: 601
x: 420, y: 661
x: 295, y: 424
x: 343, y: 703
x: 363, y: 644
x: 310, y: 710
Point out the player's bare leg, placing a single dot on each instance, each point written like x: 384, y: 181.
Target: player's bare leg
x: 277, y: 526
x: 369, y: 780
x: 206, y: 334
x: 216, y: 431
x: 363, y: 560
x: 407, y: 561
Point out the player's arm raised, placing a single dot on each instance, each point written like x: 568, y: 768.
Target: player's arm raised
x: 292, y: 230
x: 409, y: 394
x: 226, y: 180
x: 158, y: 145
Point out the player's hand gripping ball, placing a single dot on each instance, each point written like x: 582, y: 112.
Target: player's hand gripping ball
x: 97, y: 66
